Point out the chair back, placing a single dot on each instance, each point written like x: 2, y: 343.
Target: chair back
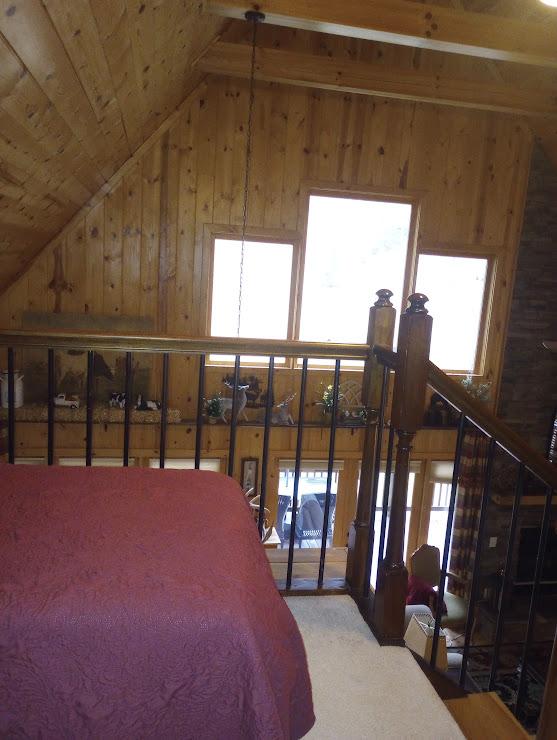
x: 425, y: 563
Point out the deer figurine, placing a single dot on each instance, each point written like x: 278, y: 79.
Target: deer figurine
x: 241, y: 401
x: 282, y: 414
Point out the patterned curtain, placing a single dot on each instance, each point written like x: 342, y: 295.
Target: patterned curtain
x: 467, y: 511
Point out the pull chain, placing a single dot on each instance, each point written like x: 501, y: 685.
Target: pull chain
x: 255, y: 17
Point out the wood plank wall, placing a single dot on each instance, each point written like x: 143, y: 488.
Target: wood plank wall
x: 140, y: 251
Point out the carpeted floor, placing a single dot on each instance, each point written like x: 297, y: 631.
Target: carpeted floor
x: 362, y: 690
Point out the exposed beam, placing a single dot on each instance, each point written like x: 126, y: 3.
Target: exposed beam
x: 310, y: 70
x: 410, y: 24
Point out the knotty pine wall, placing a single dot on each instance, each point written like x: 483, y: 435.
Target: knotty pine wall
x: 139, y: 249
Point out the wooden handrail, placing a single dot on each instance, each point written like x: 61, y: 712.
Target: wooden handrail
x: 184, y: 345
x: 386, y: 356
x: 491, y: 425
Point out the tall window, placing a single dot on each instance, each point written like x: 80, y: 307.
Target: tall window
x: 456, y: 288
x: 354, y: 246
x: 441, y: 478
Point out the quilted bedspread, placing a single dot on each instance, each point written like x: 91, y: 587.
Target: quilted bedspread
x: 139, y: 603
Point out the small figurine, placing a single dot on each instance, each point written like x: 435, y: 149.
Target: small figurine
x: 71, y: 401
x: 117, y: 400
x: 241, y: 400
x: 282, y: 414
x: 142, y: 405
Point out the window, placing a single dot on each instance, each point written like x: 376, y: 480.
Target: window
x: 441, y: 478
x: 266, y: 280
x: 312, y: 489
x: 354, y: 247
x: 456, y: 288
x: 187, y: 463
x: 96, y: 462
x: 30, y: 461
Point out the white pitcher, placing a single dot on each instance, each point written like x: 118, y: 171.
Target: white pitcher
x: 18, y: 389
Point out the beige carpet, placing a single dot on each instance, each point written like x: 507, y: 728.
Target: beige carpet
x: 361, y: 690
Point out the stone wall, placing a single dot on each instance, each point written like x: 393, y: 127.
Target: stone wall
x: 528, y: 395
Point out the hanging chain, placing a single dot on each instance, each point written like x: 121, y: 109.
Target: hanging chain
x: 255, y: 18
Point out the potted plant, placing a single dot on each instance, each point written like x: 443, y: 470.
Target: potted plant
x: 327, y: 399
x: 214, y: 408
x: 479, y: 391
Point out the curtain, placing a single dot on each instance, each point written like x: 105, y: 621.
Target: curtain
x: 467, y: 511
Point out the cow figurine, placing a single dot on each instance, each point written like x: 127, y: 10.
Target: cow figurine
x: 241, y: 400
x: 142, y: 405
x: 117, y: 400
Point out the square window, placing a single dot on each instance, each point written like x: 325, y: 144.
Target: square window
x: 266, y: 272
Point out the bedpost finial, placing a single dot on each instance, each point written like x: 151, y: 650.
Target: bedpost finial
x: 417, y: 303
x: 384, y: 298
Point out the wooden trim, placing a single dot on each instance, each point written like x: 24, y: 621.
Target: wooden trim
x: 185, y: 345
x: 414, y: 24
x: 362, y: 78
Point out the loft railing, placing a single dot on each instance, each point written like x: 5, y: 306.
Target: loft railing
x: 169, y: 348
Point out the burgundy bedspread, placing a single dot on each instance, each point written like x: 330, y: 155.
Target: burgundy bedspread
x: 139, y: 604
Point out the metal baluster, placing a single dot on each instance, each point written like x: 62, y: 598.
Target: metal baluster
x: 89, y: 418
x: 506, y: 577
x: 297, y: 473
x: 330, y: 466
x: 233, y: 420
x: 199, y: 426
x: 386, y: 493
x: 11, y: 407
x: 50, y: 391
x: 534, y: 600
x: 375, y: 481
x: 477, y: 558
x: 128, y: 407
x: 448, y: 533
x: 266, y: 435
x: 164, y: 408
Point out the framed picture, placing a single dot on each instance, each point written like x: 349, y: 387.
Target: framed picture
x: 250, y: 470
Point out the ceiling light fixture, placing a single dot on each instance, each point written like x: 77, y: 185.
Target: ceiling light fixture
x: 552, y: 3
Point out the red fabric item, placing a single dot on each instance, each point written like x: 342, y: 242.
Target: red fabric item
x: 420, y: 592
x: 139, y: 603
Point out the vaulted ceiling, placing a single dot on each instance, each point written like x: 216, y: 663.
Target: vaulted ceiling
x: 83, y: 83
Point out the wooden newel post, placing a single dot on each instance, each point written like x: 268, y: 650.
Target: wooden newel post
x: 409, y: 394
x: 380, y: 332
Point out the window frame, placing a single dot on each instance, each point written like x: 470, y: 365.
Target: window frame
x: 483, y: 349
x: 410, y: 198
x: 212, y: 232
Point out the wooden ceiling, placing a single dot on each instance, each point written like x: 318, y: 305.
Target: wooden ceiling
x: 83, y: 83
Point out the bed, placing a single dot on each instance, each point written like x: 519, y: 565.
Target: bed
x: 139, y: 603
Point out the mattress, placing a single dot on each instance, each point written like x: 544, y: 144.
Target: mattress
x: 139, y: 603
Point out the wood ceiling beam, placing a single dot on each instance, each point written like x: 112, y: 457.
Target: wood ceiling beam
x: 344, y: 75
x: 410, y: 24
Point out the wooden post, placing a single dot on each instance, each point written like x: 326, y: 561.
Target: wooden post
x: 547, y: 728
x: 414, y: 339
x: 380, y: 332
